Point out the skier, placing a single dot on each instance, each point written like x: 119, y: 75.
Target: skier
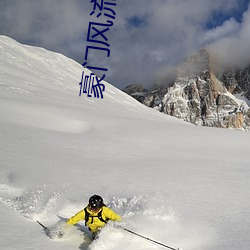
x: 95, y: 214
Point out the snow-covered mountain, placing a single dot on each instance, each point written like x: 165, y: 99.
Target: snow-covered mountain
x: 201, y: 96
x: 182, y: 185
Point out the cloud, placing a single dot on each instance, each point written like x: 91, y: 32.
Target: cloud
x: 52, y: 24
x: 147, y: 40
x: 228, y: 28
x: 171, y: 31
x: 233, y: 49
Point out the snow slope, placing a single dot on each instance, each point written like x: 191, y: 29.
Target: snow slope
x: 176, y: 183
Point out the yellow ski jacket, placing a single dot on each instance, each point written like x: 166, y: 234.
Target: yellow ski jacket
x: 94, y: 223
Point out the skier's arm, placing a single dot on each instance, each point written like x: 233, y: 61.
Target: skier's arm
x: 77, y: 217
x: 110, y: 214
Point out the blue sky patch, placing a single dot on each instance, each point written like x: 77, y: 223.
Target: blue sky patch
x: 136, y: 21
x: 219, y: 17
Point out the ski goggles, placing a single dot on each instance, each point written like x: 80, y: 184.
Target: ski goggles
x: 94, y: 208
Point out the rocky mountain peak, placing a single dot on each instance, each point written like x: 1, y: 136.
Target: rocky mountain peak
x: 202, y: 97
x: 196, y: 64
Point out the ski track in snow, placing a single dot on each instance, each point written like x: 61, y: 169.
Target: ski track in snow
x: 43, y: 117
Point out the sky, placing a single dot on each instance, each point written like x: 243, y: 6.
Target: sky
x: 148, y: 39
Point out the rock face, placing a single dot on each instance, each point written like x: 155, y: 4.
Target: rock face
x: 201, y: 97
x: 237, y: 81
x: 137, y: 91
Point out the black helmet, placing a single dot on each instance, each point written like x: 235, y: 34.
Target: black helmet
x: 96, y: 202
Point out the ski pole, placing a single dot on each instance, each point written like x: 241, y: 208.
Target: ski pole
x: 146, y: 238
x: 45, y: 228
